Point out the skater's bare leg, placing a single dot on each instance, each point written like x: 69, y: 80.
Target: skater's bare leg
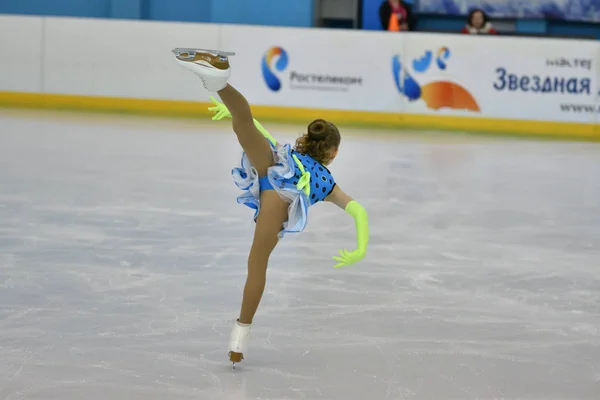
x: 252, y: 141
x: 273, y: 213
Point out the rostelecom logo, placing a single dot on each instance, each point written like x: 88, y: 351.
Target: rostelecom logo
x: 437, y: 93
x: 268, y: 67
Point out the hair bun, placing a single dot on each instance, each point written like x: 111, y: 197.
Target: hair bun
x: 317, y: 129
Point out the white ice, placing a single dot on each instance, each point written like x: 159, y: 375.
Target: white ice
x: 123, y: 250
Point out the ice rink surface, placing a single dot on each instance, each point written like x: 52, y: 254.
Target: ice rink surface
x: 123, y: 252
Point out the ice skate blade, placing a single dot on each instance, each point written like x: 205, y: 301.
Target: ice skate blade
x: 189, y: 53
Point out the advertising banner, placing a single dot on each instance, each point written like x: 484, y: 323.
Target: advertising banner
x: 511, y: 78
x: 314, y: 68
x: 550, y: 80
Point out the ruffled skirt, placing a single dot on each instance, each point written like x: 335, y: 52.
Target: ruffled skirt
x: 281, y: 176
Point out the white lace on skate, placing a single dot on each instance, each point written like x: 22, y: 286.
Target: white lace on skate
x: 211, y: 66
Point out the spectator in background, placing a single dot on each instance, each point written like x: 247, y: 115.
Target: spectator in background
x: 478, y: 23
x: 396, y: 16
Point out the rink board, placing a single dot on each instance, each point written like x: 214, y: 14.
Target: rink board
x: 510, y: 85
x: 560, y: 130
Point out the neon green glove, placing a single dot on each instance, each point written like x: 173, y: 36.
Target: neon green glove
x: 362, y: 236
x: 265, y: 133
x: 221, y: 111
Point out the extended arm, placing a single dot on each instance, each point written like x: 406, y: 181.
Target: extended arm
x: 221, y: 112
x: 358, y: 212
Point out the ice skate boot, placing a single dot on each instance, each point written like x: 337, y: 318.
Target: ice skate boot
x: 238, y: 343
x: 212, y: 66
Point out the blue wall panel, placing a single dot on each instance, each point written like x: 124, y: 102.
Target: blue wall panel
x: 440, y: 23
x: 370, y: 15
x: 297, y: 13
x: 129, y: 9
x: 228, y: 11
x: 178, y: 10
x: 69, y: 8
x: 573, y: 28
x: 531, y: 26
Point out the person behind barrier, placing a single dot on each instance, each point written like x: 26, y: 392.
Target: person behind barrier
x: 478, y: 23
x: 396, y: 16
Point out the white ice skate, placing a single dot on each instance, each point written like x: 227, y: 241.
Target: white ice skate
x: 212, y: 66
x: 238, y: 343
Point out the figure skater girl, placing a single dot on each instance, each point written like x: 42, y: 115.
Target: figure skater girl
x: 279, y: 182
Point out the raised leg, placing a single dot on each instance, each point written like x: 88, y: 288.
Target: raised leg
x: 214, y: 70
x: 252, y: 141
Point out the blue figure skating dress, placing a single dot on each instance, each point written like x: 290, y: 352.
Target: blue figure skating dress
x: 296, y: 177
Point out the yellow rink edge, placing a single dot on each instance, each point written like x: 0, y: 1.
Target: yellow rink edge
x: 176, y: 108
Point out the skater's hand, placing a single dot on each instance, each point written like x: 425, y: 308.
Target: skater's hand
x: 220, y: 110
x: 346, y: 258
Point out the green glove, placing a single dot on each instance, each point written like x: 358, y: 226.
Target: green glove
x: 265, y: 133
x: 362, y: 236
x: 221, y: 111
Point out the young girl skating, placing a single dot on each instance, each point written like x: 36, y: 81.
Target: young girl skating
x: 279, y: 182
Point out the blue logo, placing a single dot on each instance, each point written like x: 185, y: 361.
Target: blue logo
x: 437, y: 94
x: 272, y: 81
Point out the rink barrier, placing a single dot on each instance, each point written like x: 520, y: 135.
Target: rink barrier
x: 186, y: 109
x: 519, y: 86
